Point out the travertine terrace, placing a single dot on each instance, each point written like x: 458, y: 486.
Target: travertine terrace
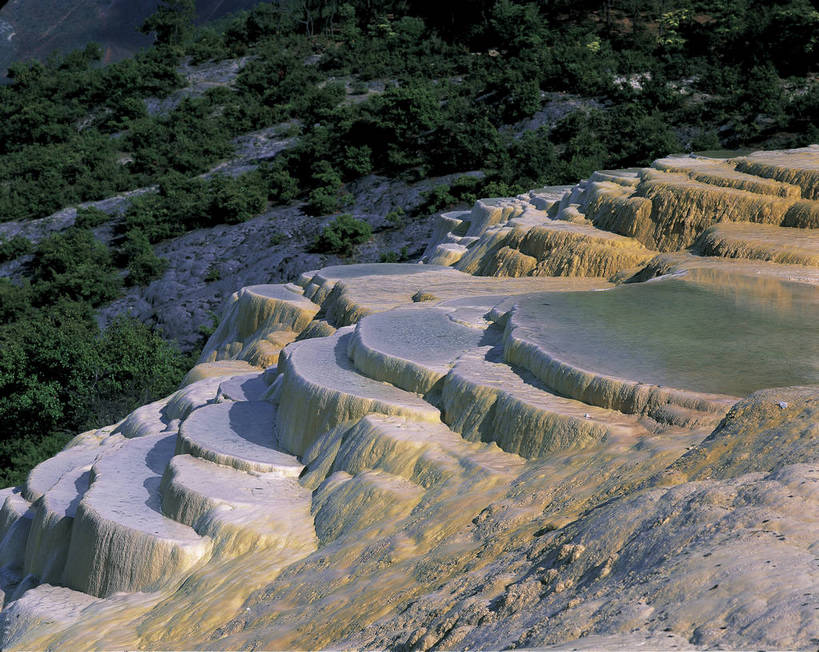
x: 589, y: 418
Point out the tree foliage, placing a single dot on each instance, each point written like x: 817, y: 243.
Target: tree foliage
x: 171, y: 23
x: 342, y: 235
x: 60, y: 375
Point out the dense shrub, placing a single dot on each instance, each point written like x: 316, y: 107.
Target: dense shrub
x: 60, y: 375
x: 187, y: 141
x: 74, y: 265
x: 47, y: 177
x: 55, y: 125
x: 282, y: 187
x: 183, y: 204
x: 233, y: 200
x: 138, y: 256
x: 14, y: 247
x: 328, y: 196
x: 342, y: 235
x: 90, y: 217
x: 15, y: 300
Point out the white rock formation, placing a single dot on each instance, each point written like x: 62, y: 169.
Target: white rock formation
x: 507, y: 446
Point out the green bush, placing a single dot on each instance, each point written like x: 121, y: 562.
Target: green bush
x: 396, y: 218
x: 90, y: 217
x: 395, y: 256
x: 171, y: 23
x: 323, y: 201
x: 188, y: 141
x: 342, y: 235
x: 183, y: 204
x: 213, y: 273
x: 358, y: 161
x: 207, y: 45
x: 706, y: 140
x: 328, y: 196
x: 282, y: 187
x: 176, y: 208
x: 234, y: 200
x: 74, y: 265
x: 401, y: 123
x: 15, y: 300
x: 43, y: 178
x: 139, y: 258
x: 14, y: 247
x: 438, y: 199
x: 206, y: 330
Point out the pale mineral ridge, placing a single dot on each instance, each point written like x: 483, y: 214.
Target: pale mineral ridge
x: 589, y: 419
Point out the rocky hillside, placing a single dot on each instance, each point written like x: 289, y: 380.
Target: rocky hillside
x: 35, y: 30
x: 274, y: 246
x: 587, y: 420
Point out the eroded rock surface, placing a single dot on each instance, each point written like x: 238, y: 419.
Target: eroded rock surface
x: 588, y: 421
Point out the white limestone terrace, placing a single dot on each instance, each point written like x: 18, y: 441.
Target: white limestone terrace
x: 723, y: 172
x: 425, y: 453
x: 446, y: 253
x: 786, y: 245
x: 164, y: 415
x: 149, y: 419
x: 51, y: 528
x: 184, y: 401
x: 346, y: 293
x: 629, y: 348
x: 253, y: 315
x: 120, y: 539
x: 241, y: 435
x: 16, y: 516
x: 460, y: 440
x: 485, y: 399
x: 36, y: 523
x: 349, y: 293
x: 248, y: 387
x: 412, y: 348
x: 396, y: 279
x: 321, y: 389
x: 46, y: 474
x: 344, y: 504
x: 241, y: 511
x: 44, y: 608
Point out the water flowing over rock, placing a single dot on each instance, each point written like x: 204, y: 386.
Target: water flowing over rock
x: 588, y: 419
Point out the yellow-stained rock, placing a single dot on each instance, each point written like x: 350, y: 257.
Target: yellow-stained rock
x: 258, y: 321
x: 521, y: 459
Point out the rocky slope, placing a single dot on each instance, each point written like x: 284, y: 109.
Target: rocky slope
x: 272, y: 247
x: 505, y: 446
x: 35, y: 30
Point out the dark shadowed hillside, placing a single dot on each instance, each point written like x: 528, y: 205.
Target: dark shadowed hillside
x: 36, y: 29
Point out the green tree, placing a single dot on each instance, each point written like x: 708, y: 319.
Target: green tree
x: 14, y: 247
x: 76, y: 266
x: 342, y: 235
x: 59, y: 375
x: 171, y: 23
x: 235, y: 200
x: 138, y: 255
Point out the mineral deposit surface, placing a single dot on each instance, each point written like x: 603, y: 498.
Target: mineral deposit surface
x: 588, y: 419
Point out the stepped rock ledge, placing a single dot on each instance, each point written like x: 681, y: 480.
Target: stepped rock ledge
x: 587, y: 419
